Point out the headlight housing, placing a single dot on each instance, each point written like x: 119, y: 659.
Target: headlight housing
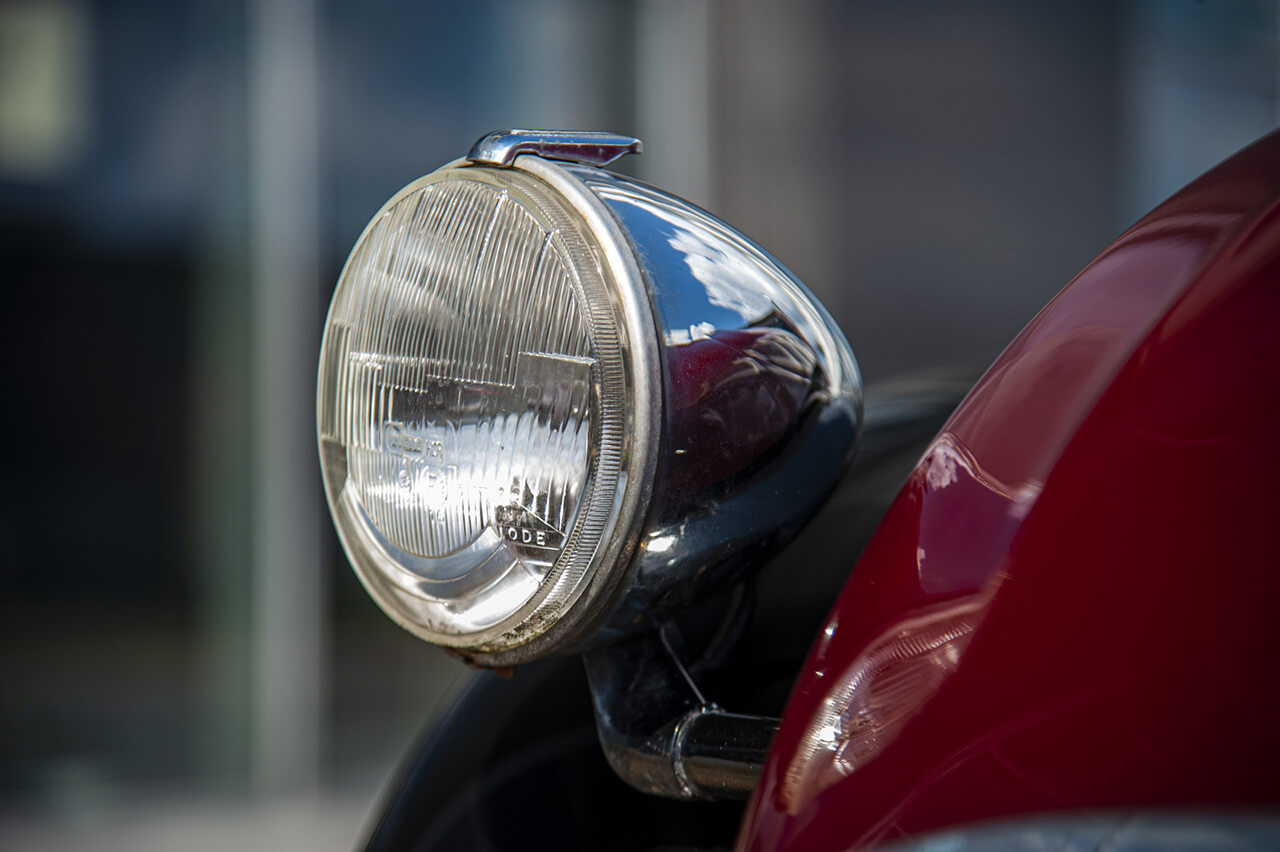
x: 501, y: 434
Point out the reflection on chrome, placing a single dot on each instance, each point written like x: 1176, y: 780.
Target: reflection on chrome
x: 685, y: 336
x: 717, y: 280
x: 722, y: 273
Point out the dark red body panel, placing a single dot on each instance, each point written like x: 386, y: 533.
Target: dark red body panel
x: 1113, y: 484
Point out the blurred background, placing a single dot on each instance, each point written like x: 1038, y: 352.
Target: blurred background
x: 185, y: 657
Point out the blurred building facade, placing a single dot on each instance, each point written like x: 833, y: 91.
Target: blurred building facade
x: 180, y: 182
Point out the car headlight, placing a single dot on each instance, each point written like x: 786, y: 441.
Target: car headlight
x: 497, y: 418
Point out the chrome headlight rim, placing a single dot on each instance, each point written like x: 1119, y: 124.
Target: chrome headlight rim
x: 538, y: 628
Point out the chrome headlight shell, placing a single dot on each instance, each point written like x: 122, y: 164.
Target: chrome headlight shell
x: 509, y: 388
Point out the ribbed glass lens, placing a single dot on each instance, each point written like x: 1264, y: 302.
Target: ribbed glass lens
x: 458, y: 397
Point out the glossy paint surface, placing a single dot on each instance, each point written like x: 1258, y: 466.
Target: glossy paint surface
x: 1108, y: 493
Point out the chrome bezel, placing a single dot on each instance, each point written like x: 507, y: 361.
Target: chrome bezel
x: 642, y: 355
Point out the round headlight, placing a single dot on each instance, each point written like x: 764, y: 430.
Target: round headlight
x: 556, y: 404
x: 475, y: 407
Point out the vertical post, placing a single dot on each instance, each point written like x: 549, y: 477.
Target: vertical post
x: 287, y: 585
x: 674, y: 110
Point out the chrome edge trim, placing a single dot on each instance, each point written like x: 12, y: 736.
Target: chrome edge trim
x: 632, y: 501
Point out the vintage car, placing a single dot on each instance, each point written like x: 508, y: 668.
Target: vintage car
x: 595, y: 442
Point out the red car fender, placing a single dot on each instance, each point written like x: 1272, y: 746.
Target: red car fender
x: 1101, y: 508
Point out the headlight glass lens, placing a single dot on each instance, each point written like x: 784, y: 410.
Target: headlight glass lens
x: 471, y: 406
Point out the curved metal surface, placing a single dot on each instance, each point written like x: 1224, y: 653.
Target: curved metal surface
x: 1107, y: 492
x: 659, y: 732
x: 763, y: 401
x: 593, y: 147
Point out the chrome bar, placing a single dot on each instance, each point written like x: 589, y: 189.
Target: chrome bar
x: 589, y: 147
